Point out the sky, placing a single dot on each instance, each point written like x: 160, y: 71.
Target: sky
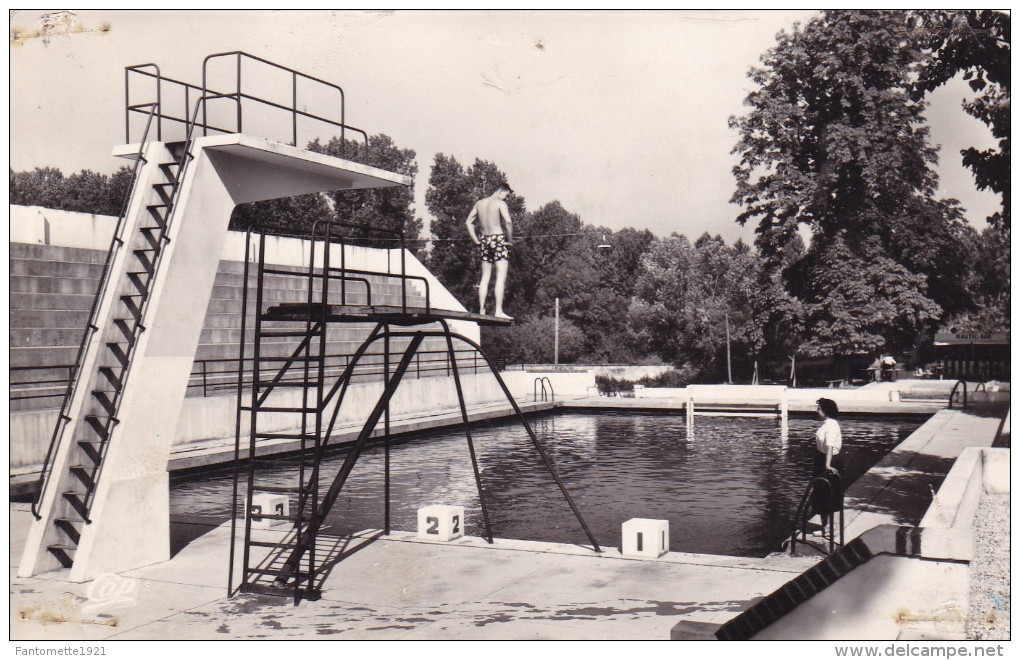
x: 619, y: 115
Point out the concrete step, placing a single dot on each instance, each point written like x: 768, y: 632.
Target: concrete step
x: 39, y: 376
x: 72, y: 269
x: 38, y: 398
x: 48, y: 318
x: 43, y: 355
x: 65, y: 285
x: 26, y: 337
x: 47, y: 301
x: 56, y: 253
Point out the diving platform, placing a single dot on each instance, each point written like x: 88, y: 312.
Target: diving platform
x: 386, y: 314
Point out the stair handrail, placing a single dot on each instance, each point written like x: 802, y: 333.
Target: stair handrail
x: 143, y: 307
x: 953, y: 393
x: 116, y: 243
x: 800, y: 519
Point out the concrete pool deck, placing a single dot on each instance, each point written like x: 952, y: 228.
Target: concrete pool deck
x: 400, y: 588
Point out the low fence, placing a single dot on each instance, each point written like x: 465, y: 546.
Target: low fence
x: 46, y: 384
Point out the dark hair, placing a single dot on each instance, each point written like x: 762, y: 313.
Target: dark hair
x: 504, y: 186
x: 829, y: 407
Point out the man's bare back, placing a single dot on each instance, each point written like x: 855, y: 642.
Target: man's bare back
x: 491, y: 212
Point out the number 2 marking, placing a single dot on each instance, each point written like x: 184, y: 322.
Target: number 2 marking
x: 456, y: 524
x: 433, y: 525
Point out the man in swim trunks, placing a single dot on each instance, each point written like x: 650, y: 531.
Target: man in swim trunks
x: 494, y: 245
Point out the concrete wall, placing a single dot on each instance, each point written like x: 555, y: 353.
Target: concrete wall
x: 976, y: 471
x: 522, y: 383
x: 212, y: 418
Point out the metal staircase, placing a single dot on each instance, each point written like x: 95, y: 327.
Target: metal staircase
x: 106, y: 381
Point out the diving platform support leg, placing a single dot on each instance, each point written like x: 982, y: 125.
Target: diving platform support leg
x: 237, y: 419
x: 534, y: 440
x: 386, y: 431
x: 467, y: 429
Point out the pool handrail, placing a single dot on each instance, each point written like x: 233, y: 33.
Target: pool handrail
x: 800, y: 520
x: 542, y: 380
x: 953, y: 393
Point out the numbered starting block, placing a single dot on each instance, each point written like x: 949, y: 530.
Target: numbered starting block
x: 440, y: 522
x: 268, y: 503
x: 645, y: 537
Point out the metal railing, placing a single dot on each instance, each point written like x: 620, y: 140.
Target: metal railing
x: 952, y: 394
x: 116, y: 243
x: 164, y: 85
x: 342, y: 273
x: 542, y: 380
x: 436, y: 363
x: 824, y: 486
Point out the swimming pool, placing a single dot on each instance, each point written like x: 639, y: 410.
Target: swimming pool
x: 732, y: 488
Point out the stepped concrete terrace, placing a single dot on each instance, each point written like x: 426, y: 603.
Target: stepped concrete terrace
x: 399, y: 587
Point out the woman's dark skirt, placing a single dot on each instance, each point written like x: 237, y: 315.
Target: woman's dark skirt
x: 827, y: 500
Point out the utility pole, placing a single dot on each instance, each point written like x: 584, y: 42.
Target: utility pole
x: 556, y: 336
x: 729, y: 368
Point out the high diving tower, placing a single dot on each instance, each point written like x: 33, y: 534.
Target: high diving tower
x: 103, y: 499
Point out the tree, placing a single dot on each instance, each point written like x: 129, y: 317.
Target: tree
x: 44, y: 186
x: 390, y: 208
x: 289, y: 216
x: 84, y: 192
x: 684, y: 295
x: 533, y: 340
x: 834, y: 142
x: 859, y: 305
x: 452, y: 193
x: 976, y: 44
x: 990, y: 284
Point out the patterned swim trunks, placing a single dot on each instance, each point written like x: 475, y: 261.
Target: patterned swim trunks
x: 493, y: 248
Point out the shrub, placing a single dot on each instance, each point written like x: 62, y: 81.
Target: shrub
x: 673, y: 378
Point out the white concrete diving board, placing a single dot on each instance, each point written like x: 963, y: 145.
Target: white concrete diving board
x: 274, y: 169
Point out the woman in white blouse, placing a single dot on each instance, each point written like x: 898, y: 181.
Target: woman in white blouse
x: 828, y: 462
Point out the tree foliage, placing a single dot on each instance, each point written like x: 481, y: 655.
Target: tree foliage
x: 453, y: 191
x: 833, y: 142
x: 862, y: 302
x: 684, y: 296
x: 84, y: 192
x: 974, y: 43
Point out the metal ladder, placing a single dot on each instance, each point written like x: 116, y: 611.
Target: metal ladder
x: 308, y: 361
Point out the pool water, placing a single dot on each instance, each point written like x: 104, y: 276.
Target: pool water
x: 732, y: 488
